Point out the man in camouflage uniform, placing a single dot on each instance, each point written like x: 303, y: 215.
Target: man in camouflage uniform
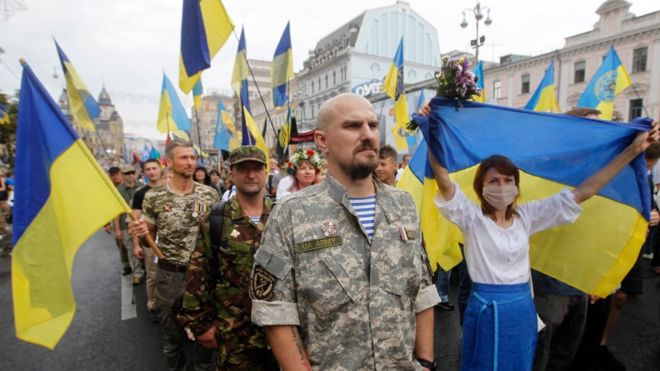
x: 333, y: 291
x: 127, y: 190
x: 174, y: 212
x: 114, y: 173
x: 218, y: 313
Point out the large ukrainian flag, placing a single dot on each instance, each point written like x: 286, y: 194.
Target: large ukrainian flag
x: 393, y: 87
x: 545, y: 98
x: 552, y: 152
x: 82, y: 105
x: 610, y: 79
x: 205, y: 27
x: 282, y: 70
x: 62, y: 198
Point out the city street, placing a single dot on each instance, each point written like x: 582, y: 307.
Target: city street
x: 99, y: 339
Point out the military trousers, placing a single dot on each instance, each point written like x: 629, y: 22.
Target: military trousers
x: 178, y: 350
x: 150, y: 268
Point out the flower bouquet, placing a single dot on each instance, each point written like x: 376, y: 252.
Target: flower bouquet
x: 455, y: 81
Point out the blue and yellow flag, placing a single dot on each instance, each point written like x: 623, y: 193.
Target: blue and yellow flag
x: 62, y: 197
x: 82, y: 105
x: 172, y: 116
x: 553, y: 152
x: 198, y: 90
x: 393, y: 87
x: 240, y: 85
x: 4, y: 114
x: 610, y: 79
x: 282, y: 70
x: 256, y: 134
x: 479, y: 74
x: 226, y: 136
x: 205, y: 27
x: 240, y: 72
x: 545, y: 98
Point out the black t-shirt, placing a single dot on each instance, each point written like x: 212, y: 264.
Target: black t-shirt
x: 139, y: 197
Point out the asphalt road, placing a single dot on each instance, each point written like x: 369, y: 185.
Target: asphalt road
x: 99, y: 339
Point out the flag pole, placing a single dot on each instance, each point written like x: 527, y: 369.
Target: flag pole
x: 257, y: 85
x: 199, y: 137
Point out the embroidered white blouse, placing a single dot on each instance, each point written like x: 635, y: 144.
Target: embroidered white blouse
x: 496, y: 255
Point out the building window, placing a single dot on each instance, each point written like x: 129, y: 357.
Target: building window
x: 636, y: 107
x: 580, y: 71
x: 319, y: 83
x: 312, y: 87
x: 524, y: 84
x: 497, y: 89
x: 334, y: 78
x: 326, y: 80
x: 639, y: 59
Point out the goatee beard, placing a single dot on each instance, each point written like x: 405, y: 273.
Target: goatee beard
x: 359, y: 171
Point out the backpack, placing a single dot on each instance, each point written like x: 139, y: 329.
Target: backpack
x: 216, y: 222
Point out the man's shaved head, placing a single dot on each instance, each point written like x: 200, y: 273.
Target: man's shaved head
x: 328, y: 109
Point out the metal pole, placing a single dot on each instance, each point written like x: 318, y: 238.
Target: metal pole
x: 476, y: 45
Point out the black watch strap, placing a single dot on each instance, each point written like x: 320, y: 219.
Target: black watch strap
x: 427, y: 364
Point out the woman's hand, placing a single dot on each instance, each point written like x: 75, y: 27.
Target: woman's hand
x: 425, y: 110
x: 644, y: 139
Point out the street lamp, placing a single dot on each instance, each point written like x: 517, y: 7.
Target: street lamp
x: 477, y: 11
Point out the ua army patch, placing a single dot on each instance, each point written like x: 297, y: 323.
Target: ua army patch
x: 261, y: 287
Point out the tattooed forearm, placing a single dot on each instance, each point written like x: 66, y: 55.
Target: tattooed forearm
x: 301, y: 351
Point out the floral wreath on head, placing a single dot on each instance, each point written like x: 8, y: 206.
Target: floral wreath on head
x: 301, y: 155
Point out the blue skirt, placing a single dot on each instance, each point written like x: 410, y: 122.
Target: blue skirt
x: 499, y: 328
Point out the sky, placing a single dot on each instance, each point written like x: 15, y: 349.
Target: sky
x: 126, y: 45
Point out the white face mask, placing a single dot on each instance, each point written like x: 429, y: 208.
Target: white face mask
x: 500, y: 197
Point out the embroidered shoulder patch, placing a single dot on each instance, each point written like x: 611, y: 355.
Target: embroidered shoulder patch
x: 261, y: 287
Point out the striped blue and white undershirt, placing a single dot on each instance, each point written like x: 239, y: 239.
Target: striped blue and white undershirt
x: 365, y: 207
x: 255, y: 219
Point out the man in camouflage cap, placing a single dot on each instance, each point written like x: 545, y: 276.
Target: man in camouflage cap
x: 174, y: 213
x: 341, y: 280
x: 218, y: 313
x: 127, y: 190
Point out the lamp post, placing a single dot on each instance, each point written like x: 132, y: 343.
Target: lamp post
x: 477, y: 11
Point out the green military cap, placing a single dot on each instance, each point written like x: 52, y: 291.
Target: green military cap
x: 247, y: 153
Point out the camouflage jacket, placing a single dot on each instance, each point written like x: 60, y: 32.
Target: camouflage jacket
x: 354, y: 300
x: 228, y: 303
x: 177, y: 218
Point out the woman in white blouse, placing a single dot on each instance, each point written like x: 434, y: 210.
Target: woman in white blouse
x: 500, y: 325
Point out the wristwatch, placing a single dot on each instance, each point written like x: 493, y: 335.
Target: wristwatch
x: 427, y: 364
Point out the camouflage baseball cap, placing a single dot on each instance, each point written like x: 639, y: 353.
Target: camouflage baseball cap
x: 247, y: 153
x: 125, y: 169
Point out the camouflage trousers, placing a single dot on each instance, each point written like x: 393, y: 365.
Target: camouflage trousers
x: 150, y: 268
x: 179, y: 351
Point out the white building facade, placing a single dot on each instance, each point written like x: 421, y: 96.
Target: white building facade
x: 636, y: 40
x: 357, y: 56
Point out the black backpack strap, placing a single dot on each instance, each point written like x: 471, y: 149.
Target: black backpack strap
x: 216, y: 223
x: 216, y: 219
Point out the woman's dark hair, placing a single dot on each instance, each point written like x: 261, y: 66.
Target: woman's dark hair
x: 207, y: 178
x: 504, y: 166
